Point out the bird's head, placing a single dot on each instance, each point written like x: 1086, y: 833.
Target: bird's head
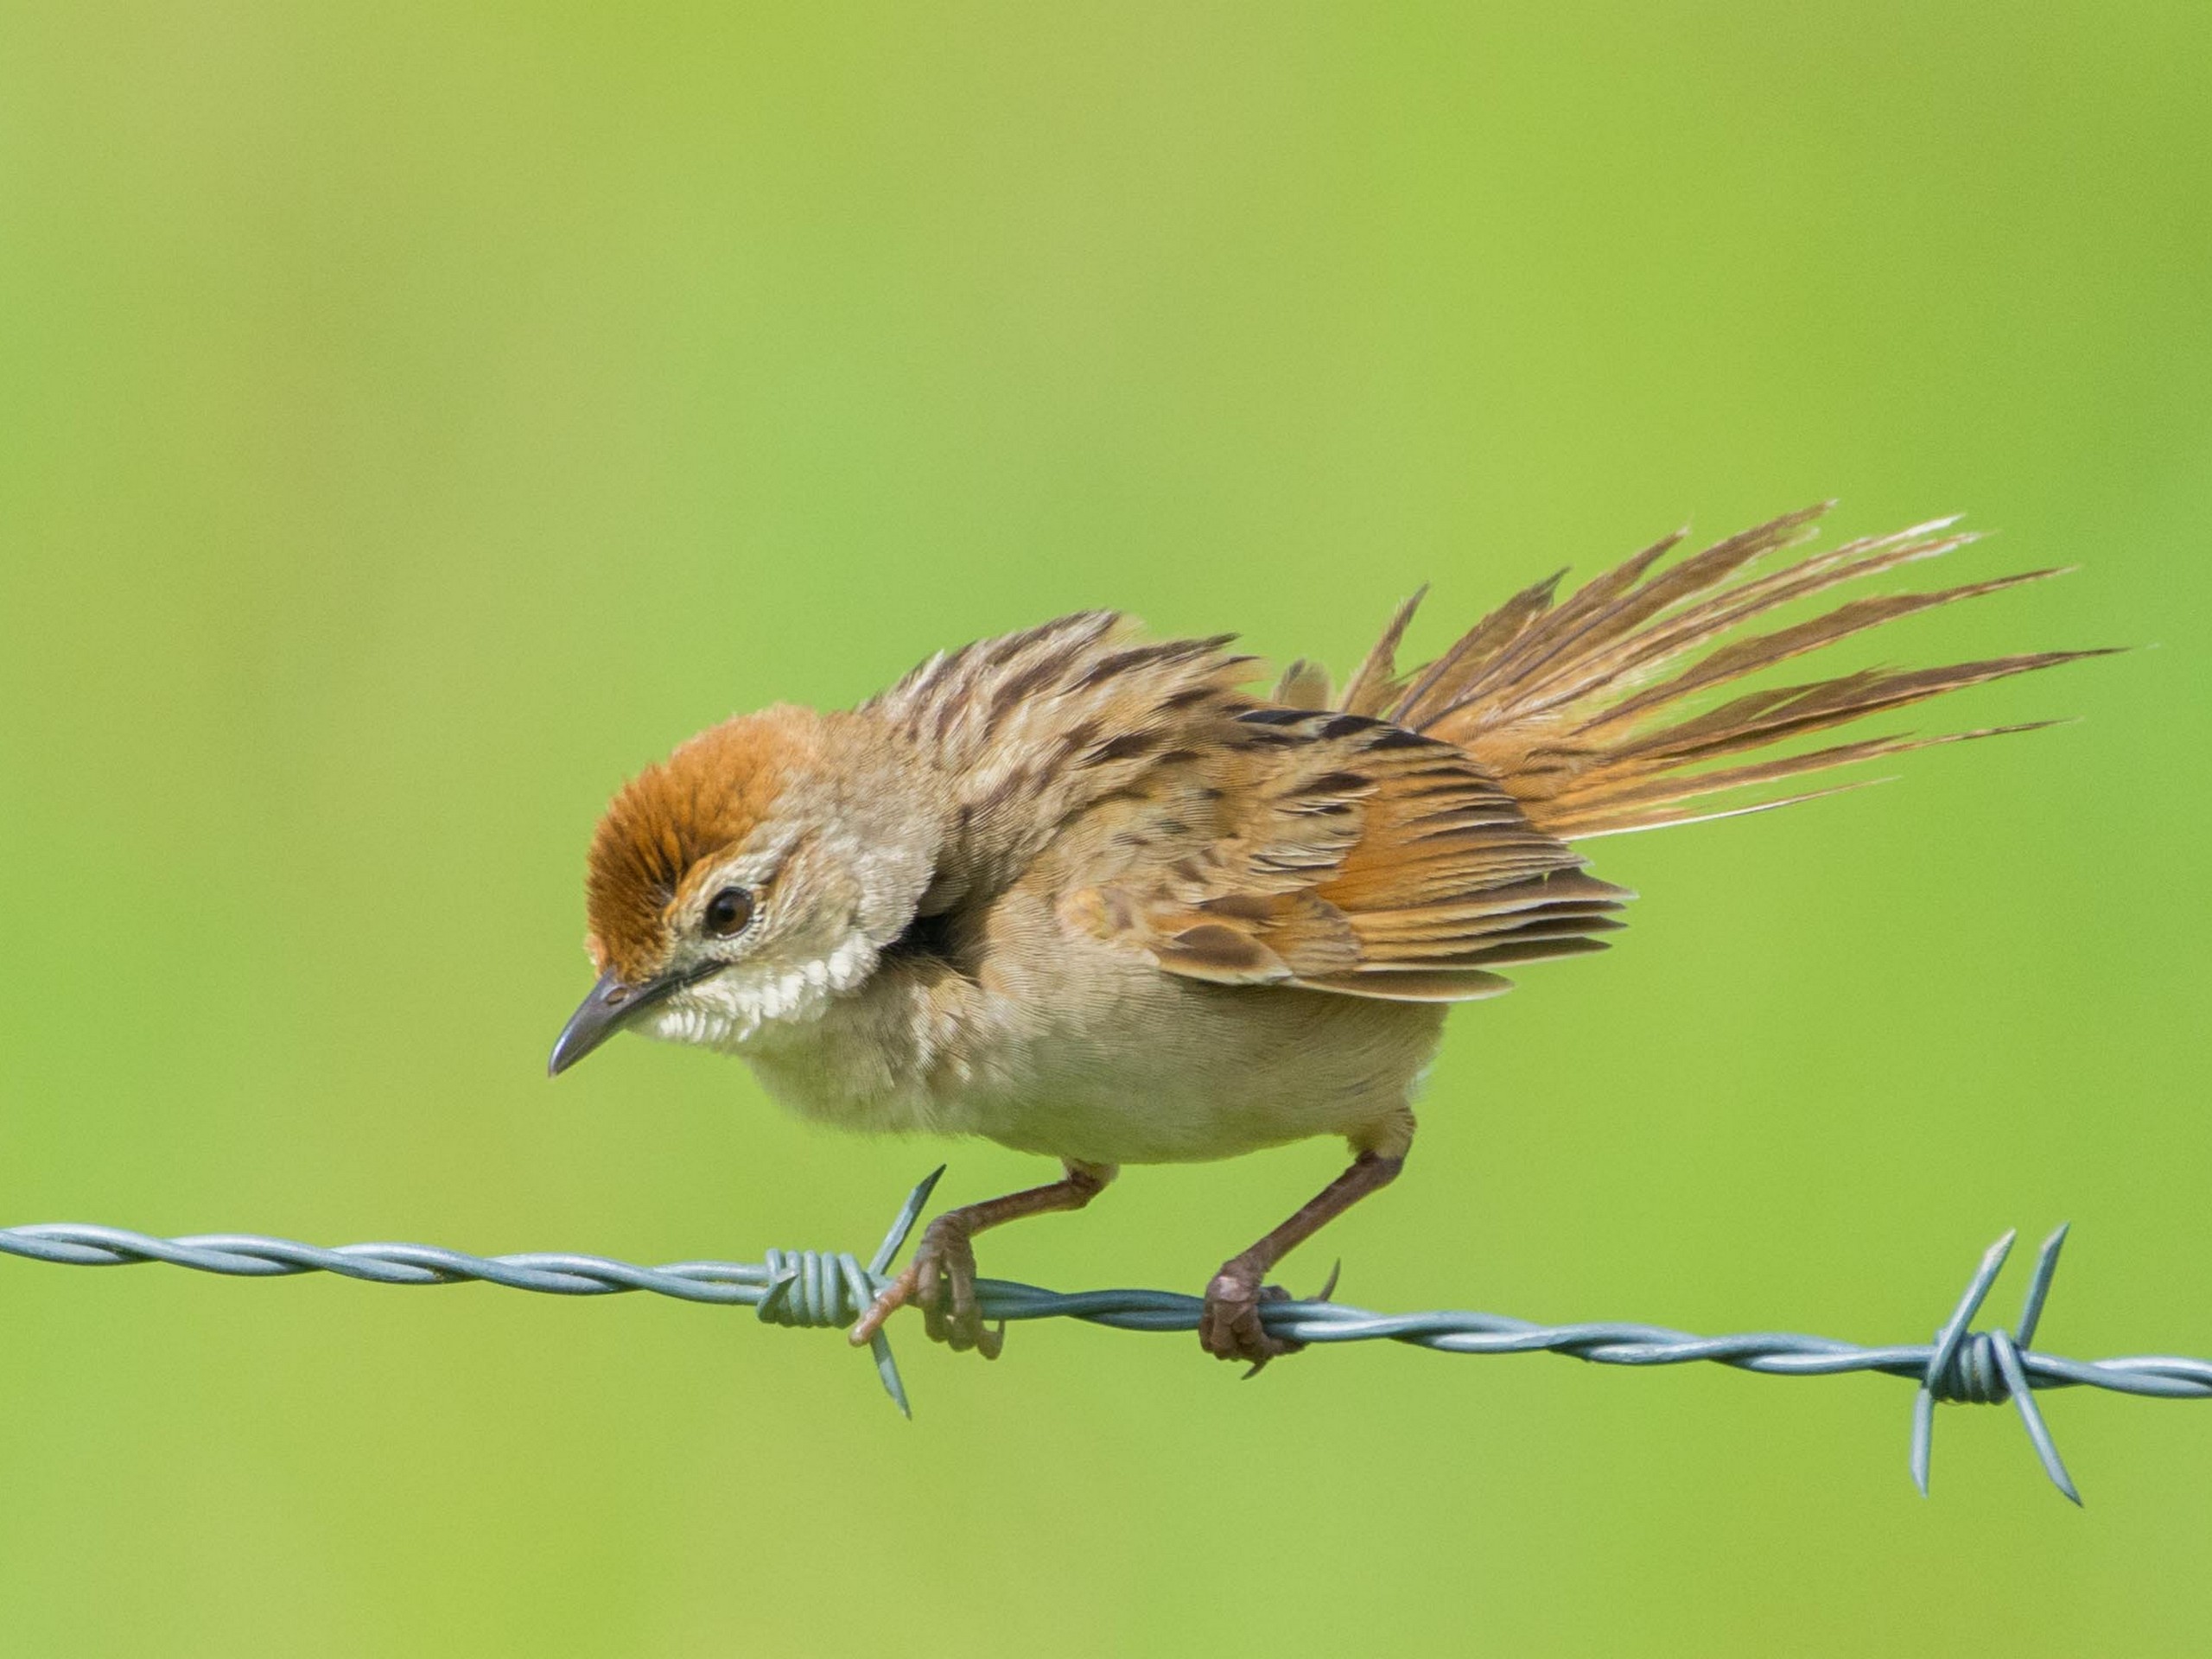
x: 751, y: 877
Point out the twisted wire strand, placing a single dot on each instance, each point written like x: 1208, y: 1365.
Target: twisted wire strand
x: 823, y: 1290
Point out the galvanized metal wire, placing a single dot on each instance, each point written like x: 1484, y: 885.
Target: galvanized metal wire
x: 826, y: 1289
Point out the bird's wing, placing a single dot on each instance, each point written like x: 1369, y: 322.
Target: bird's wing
x: 1332, y: 852
x: 1230, y: 839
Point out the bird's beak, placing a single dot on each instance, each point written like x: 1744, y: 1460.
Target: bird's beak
x: 611, y: 1005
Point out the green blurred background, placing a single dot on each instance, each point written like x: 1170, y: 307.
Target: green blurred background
x: 414, y: 418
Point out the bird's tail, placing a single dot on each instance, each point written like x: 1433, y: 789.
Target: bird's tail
x: 1596, y: 709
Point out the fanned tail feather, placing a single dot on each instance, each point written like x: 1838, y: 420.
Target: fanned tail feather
x: 1584, y: 708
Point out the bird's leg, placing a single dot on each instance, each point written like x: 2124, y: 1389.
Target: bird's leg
x: 941, y: 1279
x: 1229, y: 1327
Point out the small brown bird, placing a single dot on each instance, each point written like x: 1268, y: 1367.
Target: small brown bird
x: 1091, y: 898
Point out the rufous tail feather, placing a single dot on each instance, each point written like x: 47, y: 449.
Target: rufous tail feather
x: 1592, y: 709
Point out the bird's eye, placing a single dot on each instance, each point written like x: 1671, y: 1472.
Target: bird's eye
x: 729, y: 912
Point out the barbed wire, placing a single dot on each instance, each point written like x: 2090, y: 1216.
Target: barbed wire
x: 828, y: 1289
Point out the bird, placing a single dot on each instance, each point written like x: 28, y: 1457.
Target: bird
x: 1093, y: 896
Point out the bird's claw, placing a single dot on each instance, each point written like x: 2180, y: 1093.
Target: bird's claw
x: 941, y: 1281
x: 1229, y: 1327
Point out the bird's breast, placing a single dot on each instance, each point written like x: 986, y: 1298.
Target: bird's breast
x: 1090, y: 1052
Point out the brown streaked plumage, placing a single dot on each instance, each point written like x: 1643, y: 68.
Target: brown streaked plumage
x: 1092, y: 897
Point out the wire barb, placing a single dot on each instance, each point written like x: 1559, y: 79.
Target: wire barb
x: 821, y: 1291
x: 1983, y: 1368
x: 818, y: 1289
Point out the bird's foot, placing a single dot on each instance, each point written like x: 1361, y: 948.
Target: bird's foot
x: 1229, y: 1327
x: 941, y: 1281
